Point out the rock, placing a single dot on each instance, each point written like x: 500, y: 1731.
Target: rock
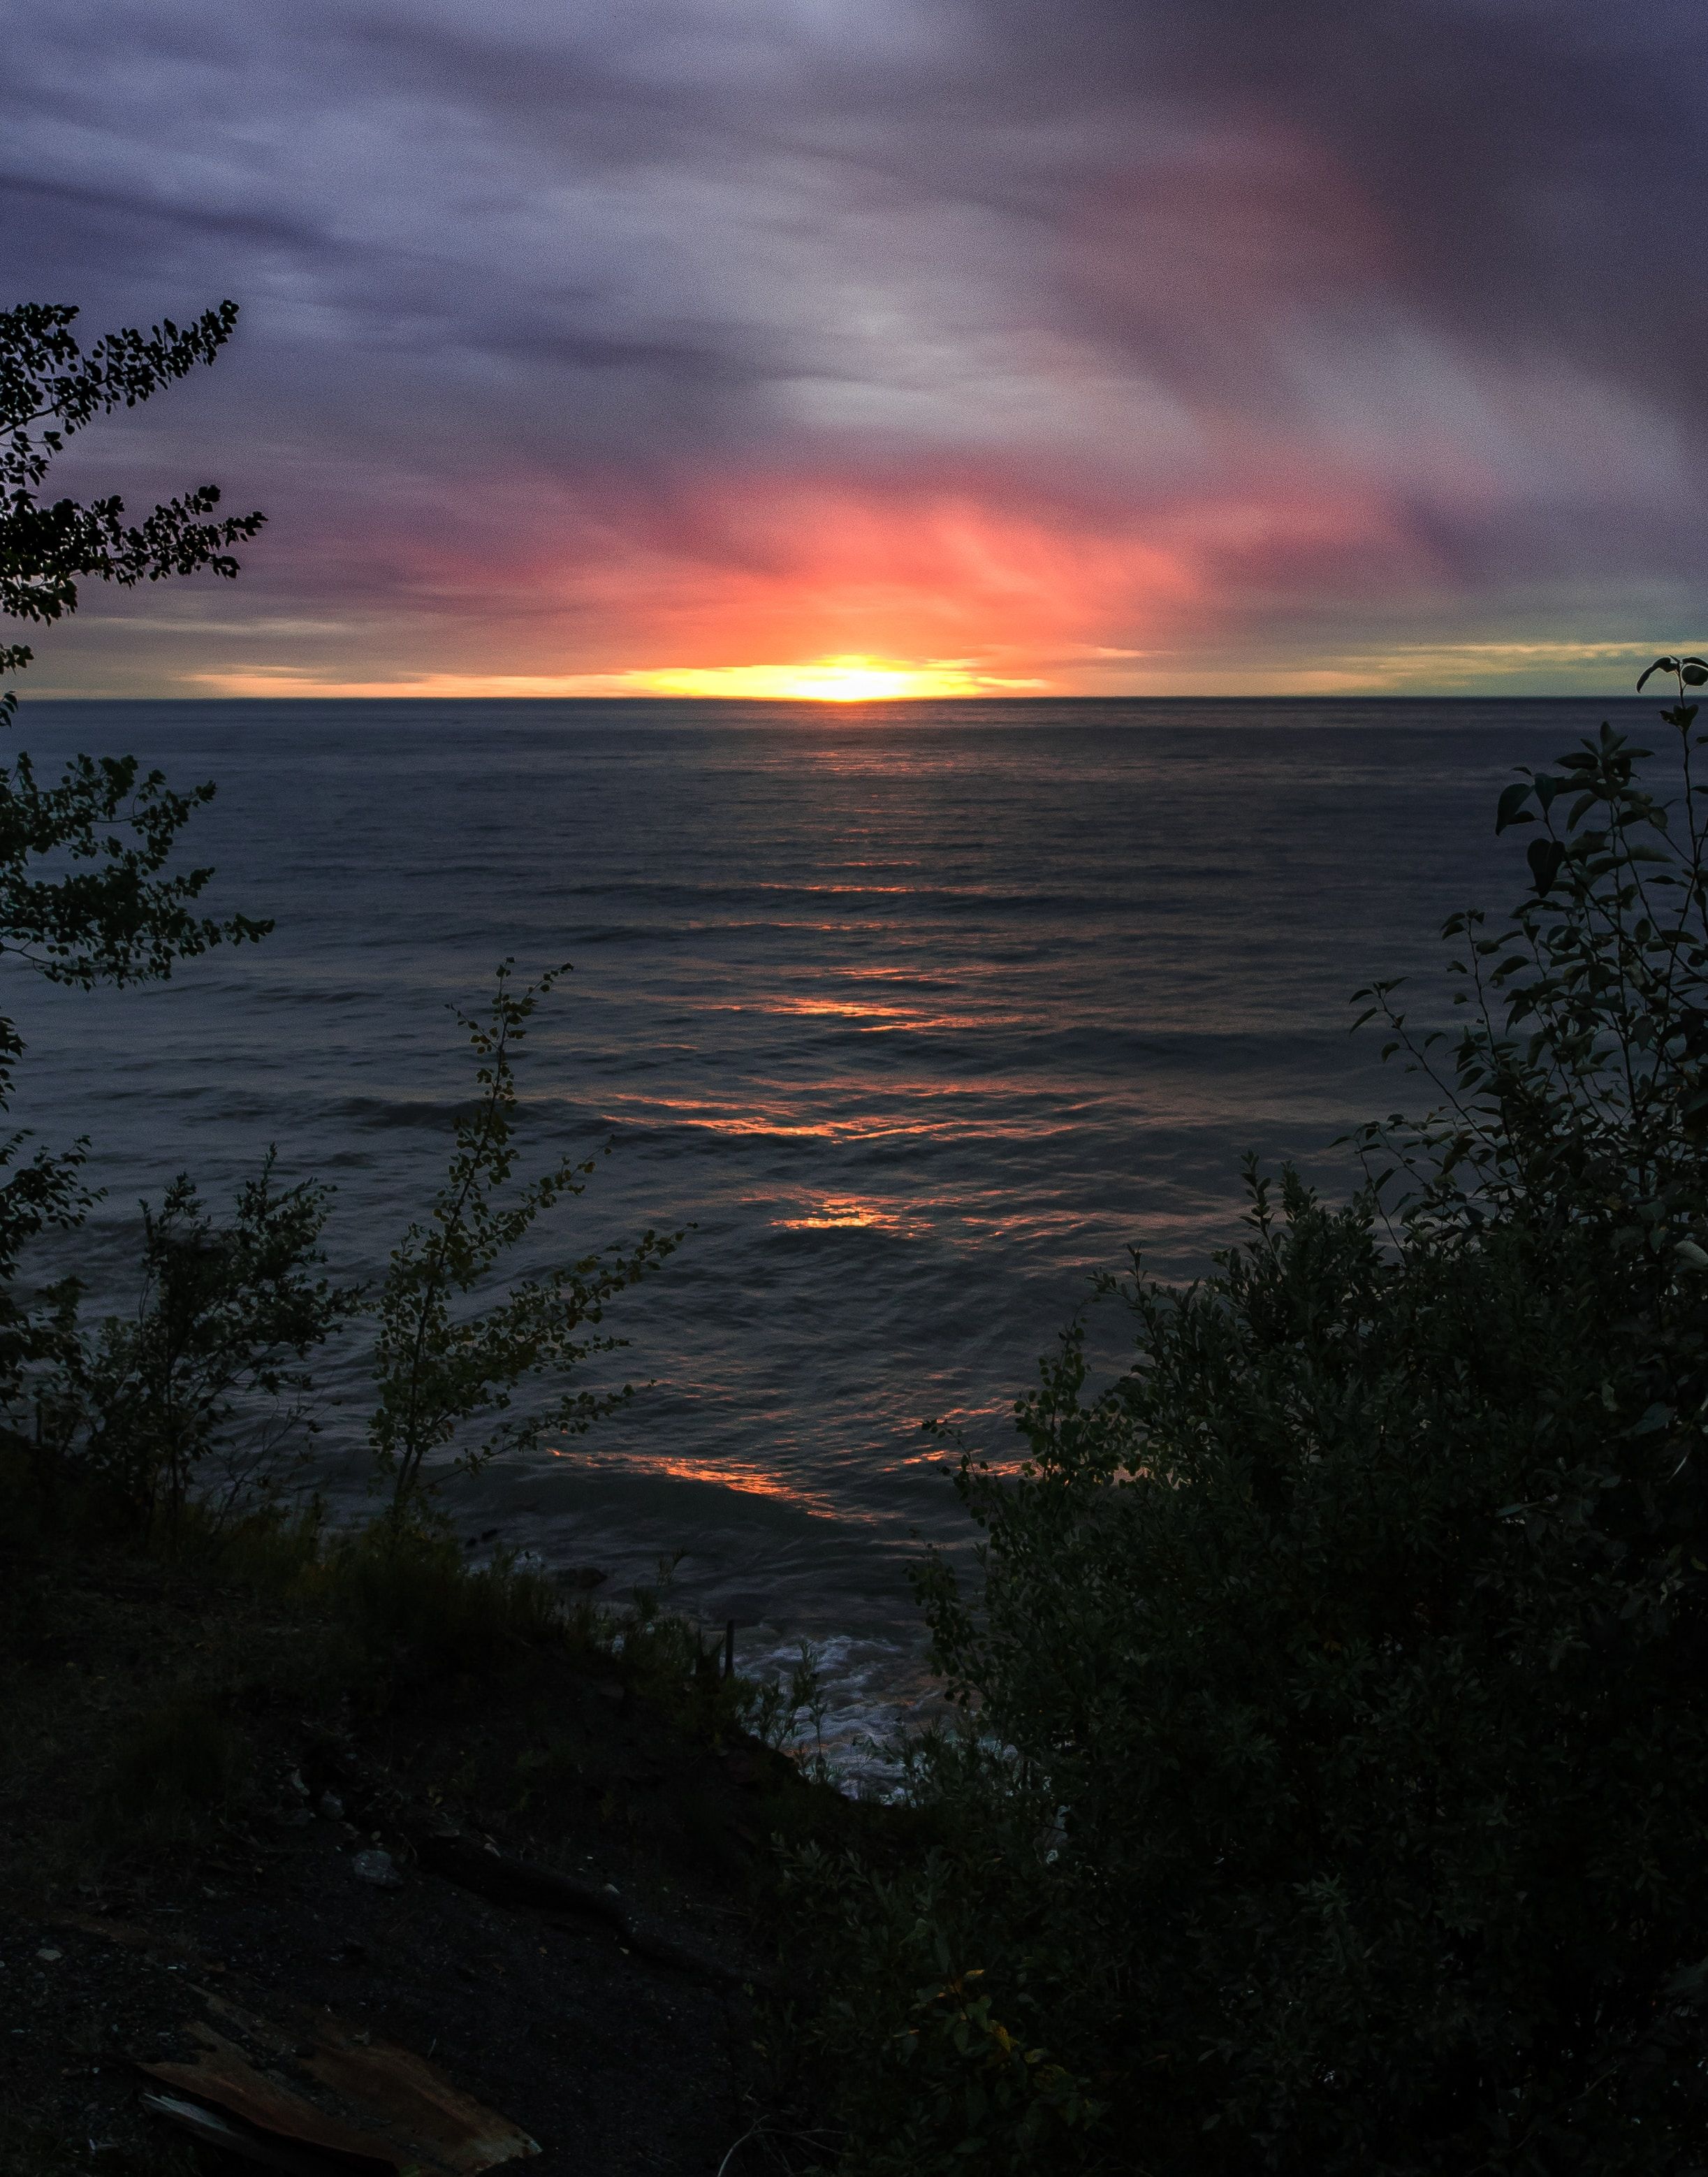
x: 331, y: 1807
x: 377, y: 1868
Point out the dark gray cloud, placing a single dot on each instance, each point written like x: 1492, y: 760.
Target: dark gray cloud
x: 1329, y: 302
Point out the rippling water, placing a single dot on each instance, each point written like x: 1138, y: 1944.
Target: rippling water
x: 918, y: 1013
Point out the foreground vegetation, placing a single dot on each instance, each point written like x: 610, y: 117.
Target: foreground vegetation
x: 1332, y: 1794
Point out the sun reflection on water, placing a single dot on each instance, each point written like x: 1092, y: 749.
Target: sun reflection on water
x: 847, y: 1212
x: 745, y: 1477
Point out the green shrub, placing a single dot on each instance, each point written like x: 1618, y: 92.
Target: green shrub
x: 1333, y: 1794
x: 200, y: 1395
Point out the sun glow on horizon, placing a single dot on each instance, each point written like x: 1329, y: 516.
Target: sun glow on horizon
x: 846, y: 680
x: 851, y: 678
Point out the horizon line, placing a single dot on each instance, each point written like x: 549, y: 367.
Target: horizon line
x: 834, y: 704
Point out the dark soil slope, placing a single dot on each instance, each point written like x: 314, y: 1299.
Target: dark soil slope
x: 228, y: 1815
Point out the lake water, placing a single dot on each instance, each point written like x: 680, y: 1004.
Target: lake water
x: 918, y: 1014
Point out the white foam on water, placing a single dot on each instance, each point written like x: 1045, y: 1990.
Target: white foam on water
x: 872, y: 1693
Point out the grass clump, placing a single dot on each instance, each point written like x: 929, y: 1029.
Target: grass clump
x: 407, y: 1590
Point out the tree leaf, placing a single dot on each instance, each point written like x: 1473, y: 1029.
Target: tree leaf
x: 1545, y: 857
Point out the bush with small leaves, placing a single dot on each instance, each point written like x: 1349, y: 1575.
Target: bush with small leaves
x: 203, y: 1387
x: 1331, y: 1800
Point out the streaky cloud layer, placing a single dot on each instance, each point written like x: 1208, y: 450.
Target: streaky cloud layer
x: 708, y: 346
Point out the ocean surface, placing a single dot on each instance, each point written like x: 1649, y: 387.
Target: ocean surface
x: 915, y: 1014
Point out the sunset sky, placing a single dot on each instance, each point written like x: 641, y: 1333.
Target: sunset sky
x: 889, y: 346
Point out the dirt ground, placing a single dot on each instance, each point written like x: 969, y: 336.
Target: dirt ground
x: 624, y: 2036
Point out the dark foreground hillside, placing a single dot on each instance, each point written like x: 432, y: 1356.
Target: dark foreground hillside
x: 272, y: 1830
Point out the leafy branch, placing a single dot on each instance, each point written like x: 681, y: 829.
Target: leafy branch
x: 46, y: 379
x: 86, y: 895
x: 448, y: 1376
